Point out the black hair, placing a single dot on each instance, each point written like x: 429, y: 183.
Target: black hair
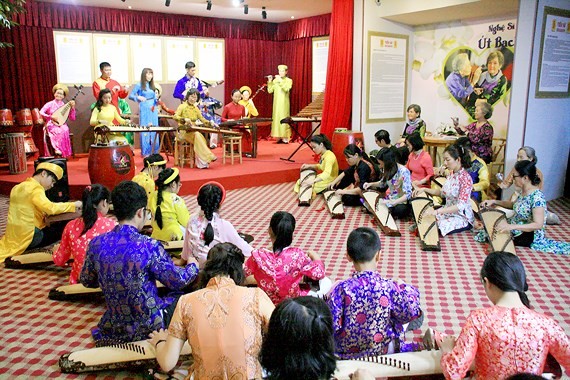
x: 127, y: 198
x: 192, y: 91
x: 40, y: 171
x: 224, y: 259
x: 382, y: 135
x: 92, y: 196
x: 415, y: 140
x: 102, y: 65
x: 416, y: 108
x: 99, y: 102
x: 506, y: 271
x: 189, y: 65
x: 390, y: 162
x: 352, y: 149
x: 143, y: 79
x: 464, y: 142
x: 299, y: 343
x: 234, y: 91
x: 322, y: 139
x: 160, y: 186
x: 282, y: 225
x: 528, y: 168
x: 209, y: 199
x: 148, y: 160
x: 459, y: 152
x: 363, y: 244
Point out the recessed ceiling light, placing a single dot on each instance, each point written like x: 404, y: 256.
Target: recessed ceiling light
x: 292, y: 17
x: 130, y: 7
x: 235, y: 3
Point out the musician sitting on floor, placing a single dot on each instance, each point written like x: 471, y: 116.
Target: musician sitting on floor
x: 26, y: 227
x: 349, y: 183
x: 79, y: 232
x: 186, y: 114
x: 105, y: 113
x: 170, y: 212
x: 369, y: 312
x: 327, y: 166
x: 153, y: 165
x: 126, y: 266
x: 382, y: 139
x: 399, y: 182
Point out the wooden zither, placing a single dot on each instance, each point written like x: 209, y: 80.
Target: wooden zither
x: 381, y: 213
x: 79, y: 292
x: 427, y: 224
x: 140, y: 354
x: 334, y: 204
x: 306, y: 186
x: 408, y: 365
x: 499, y: 241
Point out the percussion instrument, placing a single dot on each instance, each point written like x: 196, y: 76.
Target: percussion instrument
x: 60, y: 115
x: 37, y: 117
x: 16, y: 151
x: 24, y: 117
x: 306, y: 189
x: 334, y: 204
x: 340, y: 139
x: 6, y: 119
x: 427, y: 224
x: 111, y: 164
x: 381, y: 213
x: 129, y: 356
x: 499, y: 241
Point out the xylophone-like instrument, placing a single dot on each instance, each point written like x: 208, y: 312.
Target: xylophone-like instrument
x: 306, y: 188
x: 381, y: 212
x: 499, y: 241
x: 427, y: 224
x: 334, y: 204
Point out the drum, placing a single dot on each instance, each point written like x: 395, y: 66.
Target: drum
x: 16, y: 153
x: 37, y: 117
x: 340, y: 139
x: 111, y: 164
x: 24, y: 117
x: 6, y: 119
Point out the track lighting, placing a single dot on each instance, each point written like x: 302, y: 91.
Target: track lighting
x: 167, y: 3
x: 245, y: 9
x: 209, y: 6
x: 263, y: 13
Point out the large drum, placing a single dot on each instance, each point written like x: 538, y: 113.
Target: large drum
x: 340, y: 139
x: 24, y: 117
x: 111, y: 164
x: 6, y: 119
x: 16, y: 153
x: 37, y: 117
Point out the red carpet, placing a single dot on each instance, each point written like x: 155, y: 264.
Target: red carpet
x: 266, y: 169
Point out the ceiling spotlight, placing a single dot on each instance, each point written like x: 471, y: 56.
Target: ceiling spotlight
x: 263, y: 13
x: 235, y: 3
x: 209, y: 6
x: 245, y: 9
x: 123, y: 0
x: 167, y: 3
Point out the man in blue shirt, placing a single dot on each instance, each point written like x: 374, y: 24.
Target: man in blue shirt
x: 187, y: 82
x: 126, y: 266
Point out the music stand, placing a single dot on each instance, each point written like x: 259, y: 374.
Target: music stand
x: 292, y: 122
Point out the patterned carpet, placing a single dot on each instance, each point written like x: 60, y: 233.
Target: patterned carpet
x: 36, y: 331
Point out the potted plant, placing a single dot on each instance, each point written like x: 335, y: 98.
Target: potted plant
x: 8, y: 9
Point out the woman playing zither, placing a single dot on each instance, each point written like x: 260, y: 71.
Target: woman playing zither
x: 106, y: 113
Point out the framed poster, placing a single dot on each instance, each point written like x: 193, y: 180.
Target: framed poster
x: 112, y: 48
x: 210, y: 56
x: 73, y: 55
x: 320, y: 61
x: 146, y: 51
x: 553, y: 80
x: 179, y: 50
x: 387, y: 79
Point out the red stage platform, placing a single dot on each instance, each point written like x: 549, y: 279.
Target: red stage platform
x: 266, y: 169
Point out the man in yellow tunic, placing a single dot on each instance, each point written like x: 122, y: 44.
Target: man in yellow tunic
x: 29, y: 206
x: 280, y: 86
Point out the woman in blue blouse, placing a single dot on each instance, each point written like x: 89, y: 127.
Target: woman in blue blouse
x: 144, y: 94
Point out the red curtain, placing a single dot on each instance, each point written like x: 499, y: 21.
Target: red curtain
x: 305, y: 27
x: 338, y: 99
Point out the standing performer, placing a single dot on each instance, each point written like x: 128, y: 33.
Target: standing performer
x: 280, y: 86
x: 58, y: 134
x: 187, y: 82
x: 144, y: 94
x: 29, y: 206
x: 105, y: 81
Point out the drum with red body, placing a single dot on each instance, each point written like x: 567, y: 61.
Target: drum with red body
x: 37, y: 117
x: 6, y: 119
x: 16, y: 152
x: 340, y: 139
x: 111, y: 164
x: 24, y: 117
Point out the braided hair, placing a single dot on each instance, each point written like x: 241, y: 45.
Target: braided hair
x: 209, y: 199
x: 92, y: 196
x: 161, y: 186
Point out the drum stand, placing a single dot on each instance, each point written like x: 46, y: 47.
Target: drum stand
x: 305, y: 141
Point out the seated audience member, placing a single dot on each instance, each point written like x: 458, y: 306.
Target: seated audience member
x: 419, y: 162
x: 299, y: 343
x: 478, y: 172
x: 382, y: 139
x: 223, y: 322
x: 153, y: 165
x: 79, y: 232
x: 280, y: 270
x: 457, y: 214
x: 397, y: 177
x: 327, y: 166
x: 527, y: 224
x: 206, y: 228
x: 369, y: 311
x: 349, y: 183
x: 170, y: 212
x: 508, y: 337
x: 26, y: 227
x: 126, y: 266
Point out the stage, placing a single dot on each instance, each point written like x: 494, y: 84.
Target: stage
x: 266, y: 169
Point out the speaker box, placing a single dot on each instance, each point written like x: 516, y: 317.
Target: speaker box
x: 60, y: 192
